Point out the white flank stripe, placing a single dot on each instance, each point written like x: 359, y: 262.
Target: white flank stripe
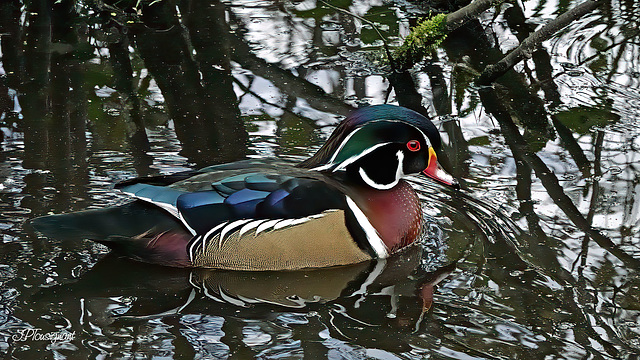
x: 230, y: 227
x: 282, y: 223
x: 277, y: 223
x: 250, y: 226
x: 302, y: 220
x: 373, y: 237
x: 266, y: 225
x: 195, y: 242
x: 210, y: 234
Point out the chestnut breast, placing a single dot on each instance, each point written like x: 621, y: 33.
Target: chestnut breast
x: 395, y: 213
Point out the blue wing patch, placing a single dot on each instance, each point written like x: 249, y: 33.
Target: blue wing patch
x: 245, y: 196
x: 245, y: 201
x: 203, y: 210
x: 263, y: 182
x: 161, y: 196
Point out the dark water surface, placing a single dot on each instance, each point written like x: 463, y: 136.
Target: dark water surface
x: 536, y: 258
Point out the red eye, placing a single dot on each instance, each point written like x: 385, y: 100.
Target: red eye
x: 413, y: 145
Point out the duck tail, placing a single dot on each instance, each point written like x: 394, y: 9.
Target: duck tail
x: 128, y: 220
x: 138, y: 230
x: 168, y: 248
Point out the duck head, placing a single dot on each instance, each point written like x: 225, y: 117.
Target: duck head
x: 378, y: 145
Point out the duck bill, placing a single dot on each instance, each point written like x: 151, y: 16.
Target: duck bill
x: 435, y: 171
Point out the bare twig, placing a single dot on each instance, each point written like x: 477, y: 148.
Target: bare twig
x: 459, y: 17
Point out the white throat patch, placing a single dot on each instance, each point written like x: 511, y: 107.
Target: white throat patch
x: 399, y: 175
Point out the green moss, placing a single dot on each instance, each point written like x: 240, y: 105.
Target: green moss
x: 425, y: 37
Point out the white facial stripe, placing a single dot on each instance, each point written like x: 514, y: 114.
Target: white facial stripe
x: 355, y: 158
x: 344, y: 142
x: 322, y: 167
x: 399, y: 175
x: 426, y: 139
x: 400, y: 169
x: 373, y: 237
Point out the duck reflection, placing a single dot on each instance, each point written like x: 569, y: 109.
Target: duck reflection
x: 352, y: 301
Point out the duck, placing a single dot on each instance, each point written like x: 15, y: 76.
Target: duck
x: 348, y: 203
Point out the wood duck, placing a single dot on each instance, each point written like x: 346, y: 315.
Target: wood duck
x: 346, y: 204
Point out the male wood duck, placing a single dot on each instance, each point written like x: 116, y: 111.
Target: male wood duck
x: 346, y: 204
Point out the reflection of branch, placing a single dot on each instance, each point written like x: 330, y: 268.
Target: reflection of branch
x: 492, y: 72
x: 283, y: 79
x: 517, y: 21
x: 520, y: 150
x: 595, y: 191
x: 604, y: 50
x: 367, y: 21
x: 616, y: 62
x: 247, y: 90
x: 518, y: 145
x: 572, y: 146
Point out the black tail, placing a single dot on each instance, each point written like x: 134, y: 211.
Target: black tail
x: 129, y: 220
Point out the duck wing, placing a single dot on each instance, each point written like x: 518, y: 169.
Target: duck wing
x: 254, y: 195
x: 262, y: 221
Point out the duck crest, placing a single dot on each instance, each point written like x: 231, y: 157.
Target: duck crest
x: 366, y: 115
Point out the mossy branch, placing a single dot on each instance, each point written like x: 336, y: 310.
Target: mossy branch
x: 430, y: 33
x: 424, y: 38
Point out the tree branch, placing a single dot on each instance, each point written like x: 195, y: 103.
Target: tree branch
x: 459, y: 17
x: 430, y: 33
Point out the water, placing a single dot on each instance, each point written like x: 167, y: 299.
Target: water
x: 537, y: 257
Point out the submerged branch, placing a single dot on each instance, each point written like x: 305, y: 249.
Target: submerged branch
x: 526, y: 48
